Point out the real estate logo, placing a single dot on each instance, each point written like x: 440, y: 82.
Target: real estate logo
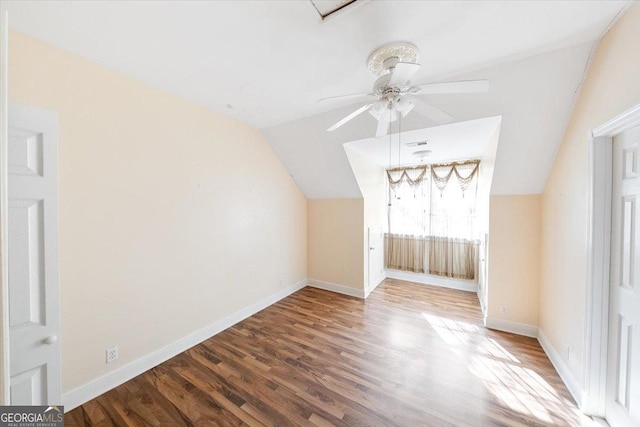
x: 32, y: 416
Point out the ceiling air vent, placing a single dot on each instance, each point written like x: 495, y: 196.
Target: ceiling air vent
x: 416, y: 144
x: 326, y: 8
x: 422, y: 153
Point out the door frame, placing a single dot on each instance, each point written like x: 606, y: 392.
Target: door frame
x: 600, y: 175
x: 369, y: 287
x: 4, y: 199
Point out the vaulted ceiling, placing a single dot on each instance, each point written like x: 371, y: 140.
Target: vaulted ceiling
x: 455, y: 141
x: 534, y: 96
x: 267, y: 62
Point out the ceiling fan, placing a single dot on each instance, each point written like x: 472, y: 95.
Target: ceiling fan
x: 395, y: 64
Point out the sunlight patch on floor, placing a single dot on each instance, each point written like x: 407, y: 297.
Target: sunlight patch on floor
x: 513, y: 384
x: 494, y: 349
x: 453, y: 332
x: 507, y: 387
x: 400, y: 335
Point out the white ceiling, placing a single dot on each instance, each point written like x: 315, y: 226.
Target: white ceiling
x: 267, y: 62
x: 534, y: 96
x: 456, y: 141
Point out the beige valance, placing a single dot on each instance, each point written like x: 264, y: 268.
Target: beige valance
x: 440, y: 174
x: 412, y: 176
x: 465, y: 172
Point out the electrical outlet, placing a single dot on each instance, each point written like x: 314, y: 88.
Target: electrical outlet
x: 504, y: 309
x: 112, y: 354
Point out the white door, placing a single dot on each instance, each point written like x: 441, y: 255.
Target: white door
x: 34, y: 347
x: 376, y: 257
x: 623, y: 370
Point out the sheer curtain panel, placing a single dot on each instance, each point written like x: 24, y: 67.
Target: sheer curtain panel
x: 407, y: 253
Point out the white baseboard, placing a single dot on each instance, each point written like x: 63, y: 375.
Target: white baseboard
x: 427, y: 279
x: 100, y: 385
x: 334, y: 287
x: 565, y: 373
x: 512, y: 327
x: 483, y: 307
x: 368, y: 291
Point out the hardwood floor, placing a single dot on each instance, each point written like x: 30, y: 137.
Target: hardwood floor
x: 409, y: 355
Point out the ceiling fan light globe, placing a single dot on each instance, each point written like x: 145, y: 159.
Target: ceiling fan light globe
x: 403, y: 103
x: 378, y: 109
x: 407, y: 110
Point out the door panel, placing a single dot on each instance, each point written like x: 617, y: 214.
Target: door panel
x: 26, y: 258
x: 628, y: 243
x: 25, y: 152
x: 623, y: 370
x: 30, y: 387
x: 376, y: 257
x: 625, y: 330
x: 33, y: 257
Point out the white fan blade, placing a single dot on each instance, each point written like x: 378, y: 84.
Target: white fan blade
x: 465, y: 86
x: 349, y: 117
x: 402, y: 72
x: 383, y: 128
x: 350, y: 95
x: 431, y: 112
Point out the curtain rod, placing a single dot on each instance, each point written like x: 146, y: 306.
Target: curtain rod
x: 466, y: 162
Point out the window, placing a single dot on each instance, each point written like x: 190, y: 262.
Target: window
x: 432, y: 219
x: 434, y: 200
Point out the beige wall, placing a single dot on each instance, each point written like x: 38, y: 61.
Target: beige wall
x: 334, y: 241
x: 171, y: 216
x: 371, y: 180
x: 514, y: 251
x: 612, y: 86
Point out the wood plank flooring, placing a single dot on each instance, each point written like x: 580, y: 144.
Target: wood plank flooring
x: 409, y: 355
